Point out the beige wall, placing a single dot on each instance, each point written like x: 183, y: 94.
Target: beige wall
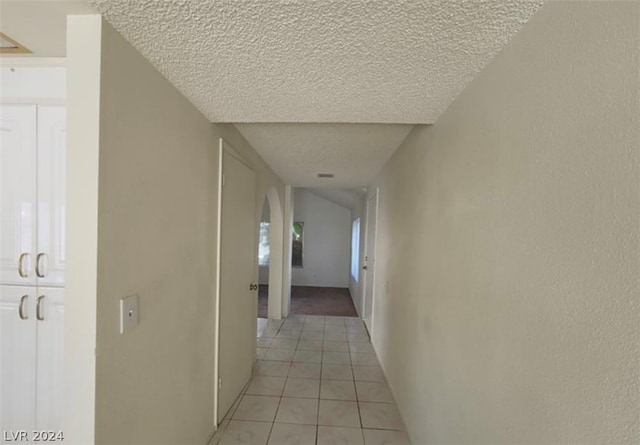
x: 507, y: 307
x: 157, y: 217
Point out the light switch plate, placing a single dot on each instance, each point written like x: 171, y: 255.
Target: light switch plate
x: 128, y: 313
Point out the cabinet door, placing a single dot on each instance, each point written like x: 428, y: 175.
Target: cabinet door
x: 17, y: 358
x: 52, y: 143
x: 17, y: 194
x: 50, y: 337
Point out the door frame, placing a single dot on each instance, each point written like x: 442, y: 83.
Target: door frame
x: 222, y: 146
x: 370, y: 264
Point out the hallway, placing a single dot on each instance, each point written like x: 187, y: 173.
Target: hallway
x: 465, y: 172
x: 316, y: 381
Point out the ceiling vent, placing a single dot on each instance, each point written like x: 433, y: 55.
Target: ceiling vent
x: 10, y: 46
x: 326, y: 175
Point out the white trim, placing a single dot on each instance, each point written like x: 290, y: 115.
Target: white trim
x: 32, y: 101
x: 44, y: 83
x: 222, y: 147
x: 216, y: 349
x: 33, y: 62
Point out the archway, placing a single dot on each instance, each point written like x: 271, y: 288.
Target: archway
x: 264, y: 247
x: 275, y: 243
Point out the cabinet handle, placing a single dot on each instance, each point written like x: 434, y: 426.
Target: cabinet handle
x: 21, y: 271
x: 21, y: 308
x: 39, y: 315
x: 39, y: 274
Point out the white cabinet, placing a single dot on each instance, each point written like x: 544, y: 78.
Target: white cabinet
x: 32, y: 193
x: 32, y: 238
x: 31, y: 341
x: 52, y: 143
x: 17, y: 358
x: 17, y: 193
x: 49, y: 342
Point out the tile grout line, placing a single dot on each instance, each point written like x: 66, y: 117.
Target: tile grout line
x: 287, y: 377
x: 355, y: 388
x: 322, y: 353
x: 317, y: 438
x: 320, y: 387
x: 275, y: 416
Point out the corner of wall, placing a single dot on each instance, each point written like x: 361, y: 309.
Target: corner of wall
x: 84, y: 43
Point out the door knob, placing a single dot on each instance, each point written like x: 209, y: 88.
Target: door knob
x: 253, y: 287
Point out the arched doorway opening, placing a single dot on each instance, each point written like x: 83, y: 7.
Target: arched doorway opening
x: 264, y: 262
x: 270, y: 251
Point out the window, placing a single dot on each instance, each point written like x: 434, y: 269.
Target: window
x: 263, y: 244
x: 355, y: 249
x: 296, y: 245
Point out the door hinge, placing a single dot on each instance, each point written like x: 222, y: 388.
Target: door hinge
x: 223, y: 180
x: 219, y: 382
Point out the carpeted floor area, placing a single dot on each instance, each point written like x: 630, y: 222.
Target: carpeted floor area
x: 313, y: 301
x: 263, y: 301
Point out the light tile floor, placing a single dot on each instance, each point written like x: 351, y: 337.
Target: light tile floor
x: 316, y: 382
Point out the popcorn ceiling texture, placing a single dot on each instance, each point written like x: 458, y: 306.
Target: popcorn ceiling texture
x: 355, y: 153
x: 330, y: 61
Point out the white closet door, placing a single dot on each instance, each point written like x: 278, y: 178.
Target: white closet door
x: 370, y: 261
x: 237, y: 273
x: 17, y: 358
x: 17, y: 194
x: 50, y: 336
x: 52, y: 143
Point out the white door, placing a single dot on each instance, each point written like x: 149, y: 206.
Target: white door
x: 52, y: 143
x: 370, y: 259
x: 49, y: 355
x: 17, y: 193
x: 237, y: 269
x: 17, y: 358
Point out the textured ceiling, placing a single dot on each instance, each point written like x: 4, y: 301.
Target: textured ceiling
x: 355, y: 153
x: 396, y: 61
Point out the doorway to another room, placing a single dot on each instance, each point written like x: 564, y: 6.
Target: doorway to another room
x: 264, y: 259
x: 269, y: 296
x: 321, y: 283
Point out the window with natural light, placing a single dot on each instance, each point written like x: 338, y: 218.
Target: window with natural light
x: 355, y: 249
x: 296, y: 248
x: 296, y: 245
x: 263, y: 244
